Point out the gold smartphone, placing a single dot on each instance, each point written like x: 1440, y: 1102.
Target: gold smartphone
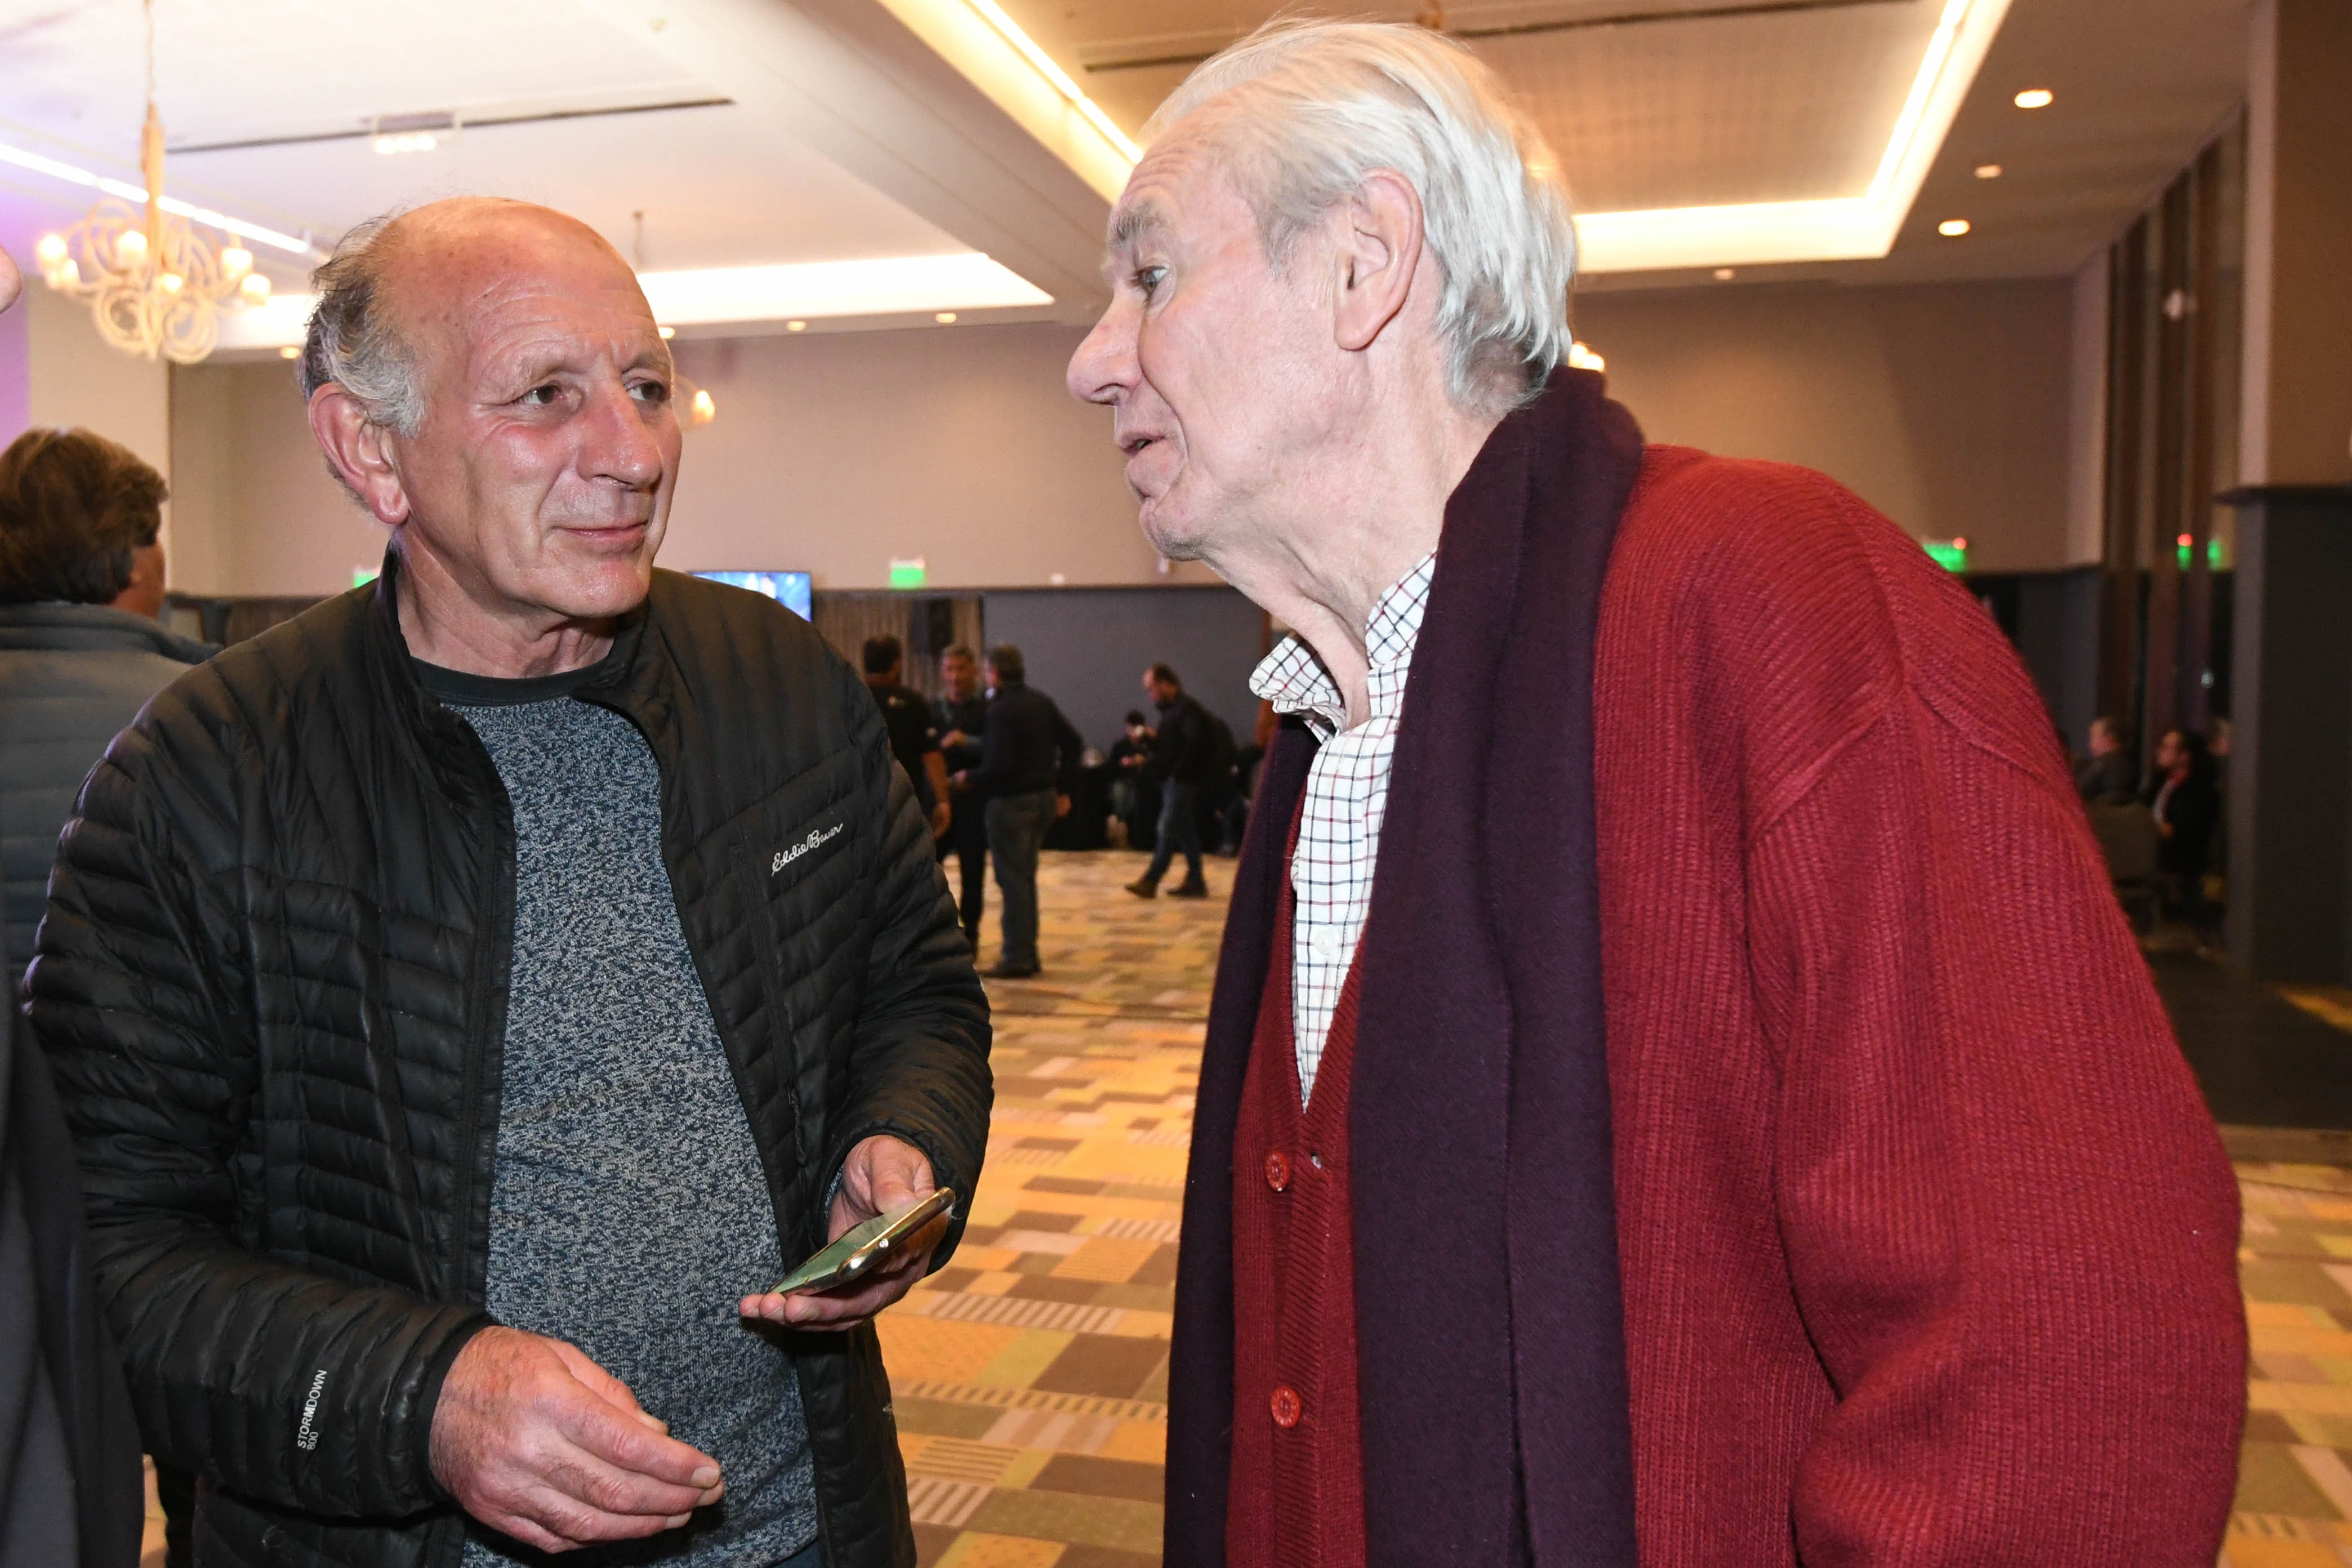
x: 862, y: 1248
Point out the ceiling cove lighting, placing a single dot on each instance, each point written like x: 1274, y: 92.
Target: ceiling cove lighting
x: 992, y: 52
x: 793, y: 294
x: 122, y: 190
x: 1861, y: 228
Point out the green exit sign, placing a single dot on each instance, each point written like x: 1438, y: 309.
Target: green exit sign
x: 907, y: 574
x: 1951, y: 554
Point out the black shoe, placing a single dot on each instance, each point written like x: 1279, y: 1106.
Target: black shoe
x: 1192, y: 887
x: 1144, y: 887
x: 1004, y: 971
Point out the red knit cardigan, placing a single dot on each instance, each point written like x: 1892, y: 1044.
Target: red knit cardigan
x: 1927, y: 1242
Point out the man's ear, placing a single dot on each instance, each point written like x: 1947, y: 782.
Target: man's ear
x: 359, y: 451
x: 1379, y: 251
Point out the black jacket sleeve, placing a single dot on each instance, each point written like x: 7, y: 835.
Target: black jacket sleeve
x: 277, y: 1382
x: 918, y: 1065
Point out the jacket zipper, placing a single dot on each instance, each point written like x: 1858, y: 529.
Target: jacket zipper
x: 485, y: 1034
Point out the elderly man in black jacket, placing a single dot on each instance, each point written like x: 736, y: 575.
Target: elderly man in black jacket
x: 468, y: 997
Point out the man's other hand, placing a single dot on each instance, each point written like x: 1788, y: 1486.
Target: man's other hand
x: 536, y: 1440
x: 882, y: 1174
x: 1061, y: 805
x: 941, y: 815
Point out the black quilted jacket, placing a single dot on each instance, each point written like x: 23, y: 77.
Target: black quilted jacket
x: 272, y: 982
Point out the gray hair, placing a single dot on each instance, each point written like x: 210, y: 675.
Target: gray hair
x: 1314, y: 107
x: 353, y: 341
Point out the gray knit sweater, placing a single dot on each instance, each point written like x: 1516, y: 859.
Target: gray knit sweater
x: 628, y: 1213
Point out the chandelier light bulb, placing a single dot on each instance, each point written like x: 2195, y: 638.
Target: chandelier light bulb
x: 255, y: 289
x: 132, y: 244
x: 170, y: 283
x: 704, y: 409
x: 235, y: 261
x: 50, y: 250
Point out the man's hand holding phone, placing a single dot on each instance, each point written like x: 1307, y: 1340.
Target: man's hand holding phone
x: 882, y: 1174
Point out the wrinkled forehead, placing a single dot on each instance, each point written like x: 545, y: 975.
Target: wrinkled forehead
x: 467, y: 287
x: 1181, y: 190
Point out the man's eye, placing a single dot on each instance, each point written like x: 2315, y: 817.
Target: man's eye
x: 1148, y: 279
x: 650, y: 392
x: 543, y: 395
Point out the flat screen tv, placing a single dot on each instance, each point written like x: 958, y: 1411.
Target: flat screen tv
x: 790, y: 589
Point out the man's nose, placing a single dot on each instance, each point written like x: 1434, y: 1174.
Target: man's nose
x: 622, y: 443
x: 1105, y: 365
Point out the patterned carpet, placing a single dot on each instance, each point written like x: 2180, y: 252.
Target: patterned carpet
x: 1031, y: 1376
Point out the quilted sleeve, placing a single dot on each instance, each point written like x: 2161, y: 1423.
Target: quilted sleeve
x: 918, y: 1067
x: 275, y: 1382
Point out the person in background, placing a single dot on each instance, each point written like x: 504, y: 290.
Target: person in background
x: 69, y: 1480
x: 2187, y: 805
x: 1028, y: 768
x: 961, y: 717
x: 2109, y: 772
x: 468, y: 997
x: 79, y: 516
x: 1128, y: 756
x: 906, y: 718
x: 1185, y: 760
x: 1639, y: 1124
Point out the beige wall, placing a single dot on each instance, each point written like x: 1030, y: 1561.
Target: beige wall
x: 2295, y: 411
x: 1944, y: 405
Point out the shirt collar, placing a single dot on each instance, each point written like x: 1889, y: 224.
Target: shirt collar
x: 1294, y: 679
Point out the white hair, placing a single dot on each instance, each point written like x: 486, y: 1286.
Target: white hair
x: 1308, y: 108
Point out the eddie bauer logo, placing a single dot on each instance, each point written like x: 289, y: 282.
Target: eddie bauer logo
x: 305, y: 1438
x: 786, y: 857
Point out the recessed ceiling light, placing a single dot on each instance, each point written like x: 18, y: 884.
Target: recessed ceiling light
x: 945, y: 318
x: 289, y: 352
x: 796, y: 326
x: 1988, y: 171
x: 1725, y: 274
x: 2035, y: 98
x: 668, y: 332
x: 1953, y: 227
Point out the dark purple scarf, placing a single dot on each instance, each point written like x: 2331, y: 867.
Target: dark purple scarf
x: 1489, y: 1323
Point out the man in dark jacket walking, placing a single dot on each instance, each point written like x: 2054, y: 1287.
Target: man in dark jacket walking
x: 962, y: 719
x: 468, y: 997
x: 1029, y: 765
x: 76, y: 512
x: 1184, y: 761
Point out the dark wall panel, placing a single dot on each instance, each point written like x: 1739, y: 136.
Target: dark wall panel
x: 1087, y: 648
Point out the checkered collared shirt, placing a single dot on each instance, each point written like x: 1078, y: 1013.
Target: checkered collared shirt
x: 1347, y: 796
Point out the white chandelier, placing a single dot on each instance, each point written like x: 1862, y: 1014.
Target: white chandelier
x: 155, y: 286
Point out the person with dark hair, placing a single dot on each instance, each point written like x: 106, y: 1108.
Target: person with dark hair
x: 2107, y: 772
x: 1127, y: 756
x: 1028, y: 768
x: 962, y: 719
x: 78, y: 515
x: 69, y: 1446
x: 1186, y: 760
x: 2187, y: 805
x: 914, y: 739
x: 470, y: 996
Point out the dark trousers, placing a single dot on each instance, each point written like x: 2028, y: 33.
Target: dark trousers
x: 1180, y: 828
x: 1016, y: 831
x: 967, y: 839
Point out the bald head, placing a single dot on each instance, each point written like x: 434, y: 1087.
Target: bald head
x: 10, y: 281
x: 398, y: 288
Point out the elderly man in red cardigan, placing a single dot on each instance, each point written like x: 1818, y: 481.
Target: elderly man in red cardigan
x: 1679, y: 1091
